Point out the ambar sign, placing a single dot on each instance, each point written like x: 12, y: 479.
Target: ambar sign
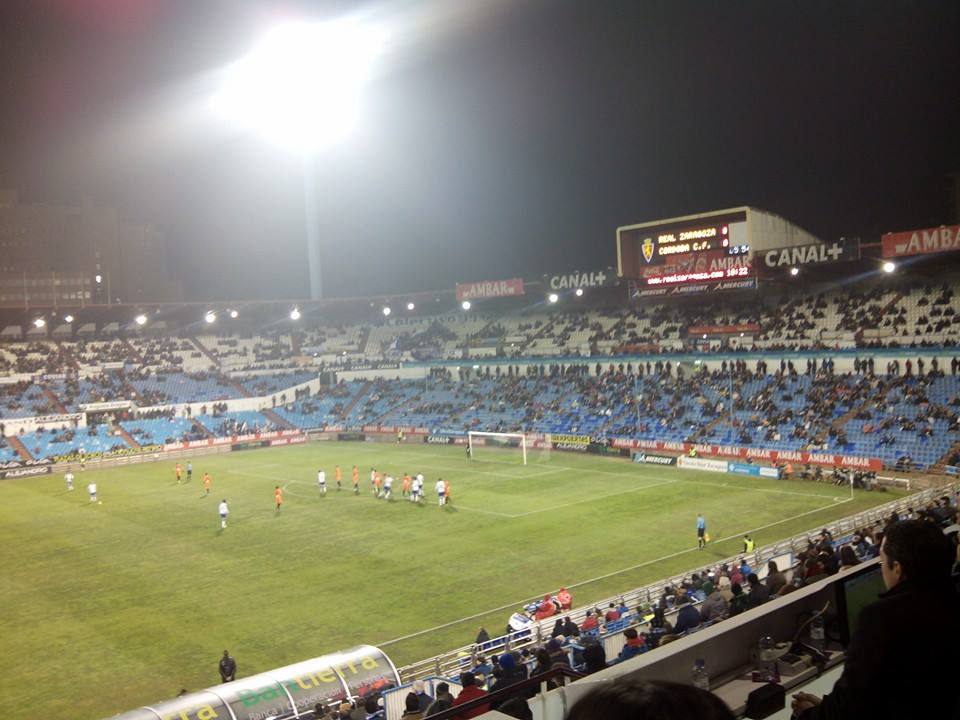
x: 921, y: 242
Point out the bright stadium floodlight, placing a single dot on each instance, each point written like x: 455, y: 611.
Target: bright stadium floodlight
x: 578, y: 292
x: 140, y: 319
x: 889, y: 267
x: 68, y: 318
x: 302, y: 83
x: 210, y: 317
x: 295, y: 314
x: 234, y: 314
x: 794, y: 271
x: 465, y: 305
x: 411, y: 306
x: 98, y: 279
x: 39, y: 322
x: 386, y: 310
x: 553, y: 297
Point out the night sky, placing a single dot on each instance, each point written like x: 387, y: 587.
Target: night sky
x: 500, y: 138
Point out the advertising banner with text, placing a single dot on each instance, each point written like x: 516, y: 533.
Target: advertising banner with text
x: 487, y: 289
x: 921, y: 242
x: 762, y: 454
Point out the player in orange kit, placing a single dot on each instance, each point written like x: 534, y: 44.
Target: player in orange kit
x: 278, y: 496
x: 206, y: 483
x: 338, y: 476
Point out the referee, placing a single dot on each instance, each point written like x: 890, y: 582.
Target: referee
x: 701, y: 532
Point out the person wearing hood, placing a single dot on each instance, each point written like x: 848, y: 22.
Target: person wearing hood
x: 511, y: 672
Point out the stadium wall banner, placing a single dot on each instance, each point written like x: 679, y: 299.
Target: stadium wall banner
x: 577, y: 443
x: 106, y: 406
x: 213, y: 442
x: 574, y: 280
x: 773, y: 456
x: 351, y: 436
x: 723, y: 329
x: 921, y: 242
x: 27, y: 471
x: 811, y: 254
x: 487, y: 289
x: 654, y: 459
x: 438, y: 439
x: 739, y: 468
x: 14, y: 464
x: 698, y: 463
x: 295, y: 440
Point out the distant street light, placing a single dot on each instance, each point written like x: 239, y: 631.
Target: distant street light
x: 295, y: 314
x: 578, y: 292
x: 386, y: 311
x: 141, y: 319
x: 465, y: 304
x: 39, y: 322
x: 234, y: 314
x: 68, y: 318
x: 889, y: 267
x: 210, y: 317
x: 553, y: 297
x: 794, y: 271
x: 411, y: 306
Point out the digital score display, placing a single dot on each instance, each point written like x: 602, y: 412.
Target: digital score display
x: 695, y: 240
x: 714, y: 248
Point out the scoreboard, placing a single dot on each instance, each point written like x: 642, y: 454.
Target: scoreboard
x: 688, y: 250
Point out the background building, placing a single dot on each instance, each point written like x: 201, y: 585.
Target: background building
x: 84, y: 254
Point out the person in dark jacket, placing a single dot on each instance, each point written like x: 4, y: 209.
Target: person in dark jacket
x: 594, y: 656
x: 228, y: 667
x: 510, y: 673
x: 688, y: 618
x: 758, y: 592
x: 895, y: 668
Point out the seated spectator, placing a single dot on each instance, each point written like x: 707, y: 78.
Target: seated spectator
x: 469, y: 692
x: 714, y: 607
x: 444, y: 700
x: 629, y: 699
x: 775, y: 579
x: 594, y: 656
x: 419, y: 688
x: 759, y: 594
x: 917, y: 672
x: 739, y: 603
x: 688, y: 618
x: 633, y: 647
x: 412, y: 709
x: 848, y: 558
x: 589, y: 622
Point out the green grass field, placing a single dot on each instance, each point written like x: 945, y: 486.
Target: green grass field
x: 108, y: 607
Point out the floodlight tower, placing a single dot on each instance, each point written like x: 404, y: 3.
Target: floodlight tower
x: 301, y: 86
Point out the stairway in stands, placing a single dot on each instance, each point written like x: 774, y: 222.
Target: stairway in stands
x: 203, y: 348
x: 277, y: 420
x: 353, y: 402
x: 20, y: 448
x: 128, y: 438
x: 52, y: 397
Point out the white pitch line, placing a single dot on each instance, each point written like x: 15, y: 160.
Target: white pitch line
x: 595, y: 497
x: 730, y: 486
x: 600, y: 577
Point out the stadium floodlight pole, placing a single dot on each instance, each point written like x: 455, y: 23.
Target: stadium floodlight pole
x: 301, y: 85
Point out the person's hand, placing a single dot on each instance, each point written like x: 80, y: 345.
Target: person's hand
x: 802, y: 702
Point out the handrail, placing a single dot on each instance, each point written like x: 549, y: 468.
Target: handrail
x: 451, y: 662
x: 507, y: 692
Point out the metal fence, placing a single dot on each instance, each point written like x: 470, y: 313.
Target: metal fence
x: 452, y: 662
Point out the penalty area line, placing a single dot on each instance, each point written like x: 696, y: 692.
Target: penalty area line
x: 517, y: 603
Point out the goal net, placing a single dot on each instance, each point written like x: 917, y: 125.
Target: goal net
x: 521, y: 442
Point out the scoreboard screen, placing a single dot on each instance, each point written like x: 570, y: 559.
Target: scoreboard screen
x: 694, y: 250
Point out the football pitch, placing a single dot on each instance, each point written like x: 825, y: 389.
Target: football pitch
x: 110, y: 606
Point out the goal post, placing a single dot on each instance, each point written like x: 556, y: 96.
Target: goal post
x: 501, y: 439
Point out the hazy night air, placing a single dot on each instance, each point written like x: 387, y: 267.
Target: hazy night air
x: 498, y: 140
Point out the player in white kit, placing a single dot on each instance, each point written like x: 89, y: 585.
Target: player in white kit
x: 441, y: 491
x: 224, y: 511
x: 414, y: 489
x: 69, y: 478
x: 92, y: 489
x: 387, y: 486
x: 420, y: 483
x: 322, y: 481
